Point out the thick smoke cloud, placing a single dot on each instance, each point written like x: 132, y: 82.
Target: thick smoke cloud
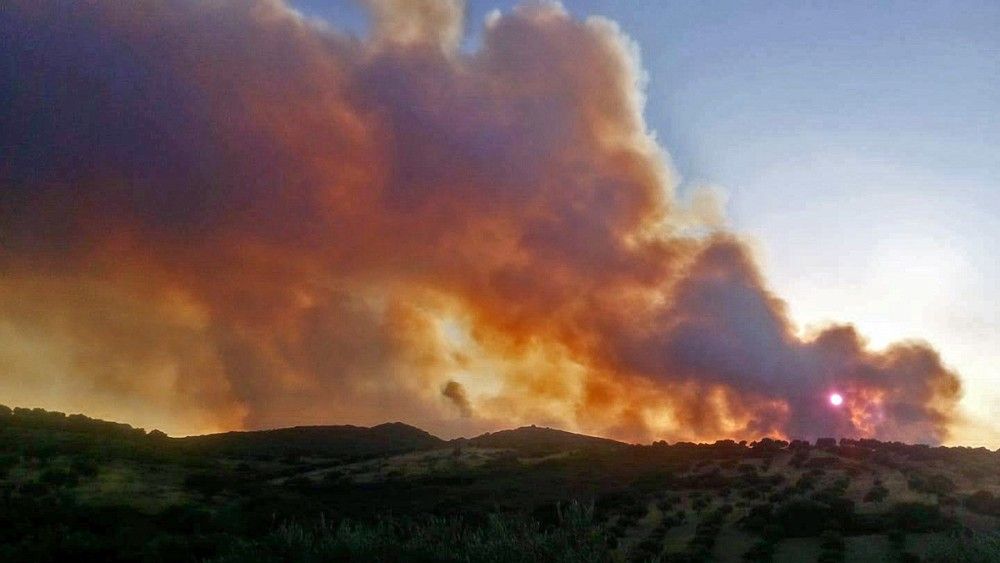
x: 220, y: 215
x: 454, y: 391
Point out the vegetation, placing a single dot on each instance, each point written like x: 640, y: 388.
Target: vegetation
x: 968, y: 547
x: 501, y: 539
x: 74, y: 488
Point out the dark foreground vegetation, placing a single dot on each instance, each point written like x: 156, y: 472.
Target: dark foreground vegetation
x: 78, y: 489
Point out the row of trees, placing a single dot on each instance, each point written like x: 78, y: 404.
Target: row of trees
x: 53, y: 420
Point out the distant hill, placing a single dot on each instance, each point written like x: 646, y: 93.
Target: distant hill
x: 344, y: 442
x: 356, y: 442
x: 76, y: 488
x: 537, y: 439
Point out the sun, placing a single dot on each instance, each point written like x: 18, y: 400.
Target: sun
x: 836, y: 399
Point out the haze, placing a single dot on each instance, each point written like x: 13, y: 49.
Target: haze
x: 246, y: 215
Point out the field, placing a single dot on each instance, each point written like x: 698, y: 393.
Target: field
x: 74, y: 488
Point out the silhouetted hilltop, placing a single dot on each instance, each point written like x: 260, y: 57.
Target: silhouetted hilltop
x: 392, y: 438
x: 43, y: 420
x: 535, y: 439
x: 344, y: 442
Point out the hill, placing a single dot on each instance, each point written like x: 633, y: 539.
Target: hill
x: 343, y: 442
x: 540, y: 440
x: 75, y: 488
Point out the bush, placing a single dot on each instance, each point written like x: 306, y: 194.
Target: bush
x: 207, y: 483
x: 8, y: 462
x: 806, y: 517
x: 965, y: 547
x: 502, y: 539
x: 934, y: 484
x: 918, y: 517
x: 760, y: 552
x: 804, y: 483
x: 831, y: 540
x: 822, y: 462
x: 84, y: 467
x: 826, y: 443
x: 877, y: 493
x: 983, y: 502
x: 58, y: 477
x: 774, y: 532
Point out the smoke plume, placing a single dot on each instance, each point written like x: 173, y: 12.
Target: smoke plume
x: 220, y: 215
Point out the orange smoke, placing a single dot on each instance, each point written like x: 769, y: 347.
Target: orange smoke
x: 219, y: 215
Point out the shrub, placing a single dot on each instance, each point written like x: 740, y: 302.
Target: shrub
x: 918, y: 517
x: 804, y: 483
x: 965, y: 547
x: 84, y: 467
x: 877, y: 493
x: 799, y: 458
x: 668, y: 502
x: 822, y: 462
x: 7, y: 462
x: 934, y: 484
x: 774, y: 532
x: 760, y: 552
x: 831, y: 540
x: 983, y: 502
x: 806, y: 517
x: 58, y: 477
x: 502, y: 539
x: 208, y: 483
x: 826, y: 443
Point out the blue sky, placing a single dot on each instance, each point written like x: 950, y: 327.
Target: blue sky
x: 858, y: 143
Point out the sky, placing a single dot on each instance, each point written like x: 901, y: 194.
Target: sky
x: 637, y: 220
x: 858, y: 144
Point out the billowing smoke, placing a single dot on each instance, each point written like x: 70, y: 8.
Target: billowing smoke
x: 454, y: 391
x: 221, y: 215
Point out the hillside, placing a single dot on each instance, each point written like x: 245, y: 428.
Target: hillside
x: 75, y: 488
x: 541, y: 440
x: 343, y: 442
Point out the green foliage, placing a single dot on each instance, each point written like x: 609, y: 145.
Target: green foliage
x: 831, y: 539
x: 7, y: 462
x: 207, y: 483
x: 500, y: 540
x: 967, y: 547
x: 932, y: 484
x: 801, y: 517
x: 761, y: 551
x: 983, y: 502
x: 918, y: 517
x: 832, y: 544
x: 897, y: 538
x: 58, y: 477
x: 72, y: 488
x: 877, y: 493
